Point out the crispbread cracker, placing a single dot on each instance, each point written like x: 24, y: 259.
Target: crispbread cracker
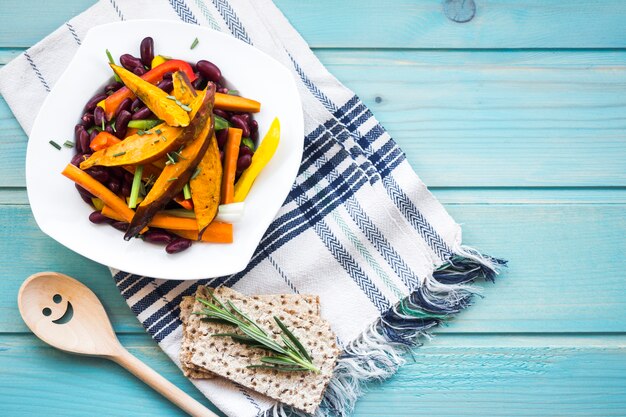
x: 298, y: 304
x: 190, y: 371
x: 225, y: 357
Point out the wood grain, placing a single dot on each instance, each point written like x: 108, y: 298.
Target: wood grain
x: 552, y: 286
x: 452, y: 376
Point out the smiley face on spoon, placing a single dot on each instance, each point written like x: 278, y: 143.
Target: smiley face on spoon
x: 66, y: 314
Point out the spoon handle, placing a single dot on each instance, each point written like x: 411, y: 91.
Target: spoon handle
x: 161, y: 385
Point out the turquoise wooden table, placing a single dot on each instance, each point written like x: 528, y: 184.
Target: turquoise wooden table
x: 516, y: 119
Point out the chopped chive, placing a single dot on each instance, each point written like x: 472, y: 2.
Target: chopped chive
x: 196, y: 173
x: 233, y: 92
x: 103, y: 124
x: 118, y: 79
x: 56, y: 145
x: 134, y: 190
x: 185, y: 107
x: 115, y: 155
x: 178, y: 155
x: 155, y: 141
x: 194, y: 43
x: 171, y: 98
x: 163, y: 138
x: 171, y: 160
x: 186, y: 192
x: 141, y: 132
x: 158, y: 131
x: 172, y: 179
x: 113, y: 127
x: 68, y: 144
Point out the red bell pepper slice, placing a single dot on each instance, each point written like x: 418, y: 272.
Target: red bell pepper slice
x: 112, y: 102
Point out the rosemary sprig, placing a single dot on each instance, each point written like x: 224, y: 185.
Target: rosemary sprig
x: 288, y: 356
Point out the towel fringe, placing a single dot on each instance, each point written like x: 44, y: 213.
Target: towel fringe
x: 379, y: 351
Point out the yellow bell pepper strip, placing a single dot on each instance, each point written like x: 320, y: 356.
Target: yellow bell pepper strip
x: 261, y: 157
x: 158, y: 60
x: 164, y: 106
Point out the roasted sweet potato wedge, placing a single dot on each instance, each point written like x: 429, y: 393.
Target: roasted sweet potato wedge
x: 154, y: 98
x: 149, y: 146
x: 183, y: 90
x: 174, y: 176
x: 205, y: 185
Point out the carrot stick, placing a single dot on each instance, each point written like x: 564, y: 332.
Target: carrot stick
x: 96, y: 188
x: 231, y: 153
x: 236, y: 103
x: 102, y: 141
x: 216, y: 232
x: 187, y: 204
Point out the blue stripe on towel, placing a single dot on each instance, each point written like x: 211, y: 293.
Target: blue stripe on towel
x: 183, y: 11
x: 37, y: 72
x: 232, y: 21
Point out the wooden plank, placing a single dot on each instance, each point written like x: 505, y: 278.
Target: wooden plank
x: 491, y: 119
x: 566, y: 268
x: 393, y: 24
x: 451, y: 376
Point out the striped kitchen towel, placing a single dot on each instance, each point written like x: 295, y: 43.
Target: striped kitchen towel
x: 358, y: 228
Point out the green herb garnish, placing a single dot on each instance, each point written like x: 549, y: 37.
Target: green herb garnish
x: 172, y: 179
x: 158, y: 131
x: 117, y: 78
x: 196, y: 173
x: 171, y: 97
x: 144, y: 124
x: 185, y: 107
x: 233, y: 92
x: 68, y: 144
x: 103, y: 123
x: 115, y: 155
x: 288, y: 356
x: 56, y: 145
x: 187, y: 192
x: 194, y: 43
x: 170, y: 159
x: 141, y: 132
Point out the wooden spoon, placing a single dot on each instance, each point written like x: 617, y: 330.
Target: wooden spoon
x: 67, y: 315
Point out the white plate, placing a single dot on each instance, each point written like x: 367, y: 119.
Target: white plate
x: 61, y: 213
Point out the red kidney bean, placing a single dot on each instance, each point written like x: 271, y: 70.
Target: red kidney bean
x: 99, y: 218
x: 100, y: 174
x: 84, y: 141
x: 124, y: 105
x: 98, y: 116
x: 137, y: 104
x: 130, y: 62
x: 86, y: 199
x: 125, y: 190
x: 92, y: 135
x: 143, y: 113
x: 223, y: 90
x: 245, y: 117
x: 177, y: 245
x: 121, y: 123
x: 254, y: 125
x: 221, y: 113
x: 158, y: 236
x: 168, y: 75
x: 244, y: 150
x: 166, y: 85
x: 112, y: 88
x: 243, y: 162
x: 209, y: 70
x: 86, y: 194
x: 91, y: 104
x: 240, y: 123
x: 128, y: 177
x: 222, y: 157
x: 77, y: 131
x: 146, y: 49
x: 87, y: 120
x: 117, y: 172
x: 122, y: 226
x: 114, y: 185
x: 139, y: 71
x: 221, y: 136
x: 77, y: 159
x: 109, y: 129
x: 199, y: 83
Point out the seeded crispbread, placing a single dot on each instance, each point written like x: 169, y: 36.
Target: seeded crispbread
x: 298, y: 304
x: 229, y: 359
